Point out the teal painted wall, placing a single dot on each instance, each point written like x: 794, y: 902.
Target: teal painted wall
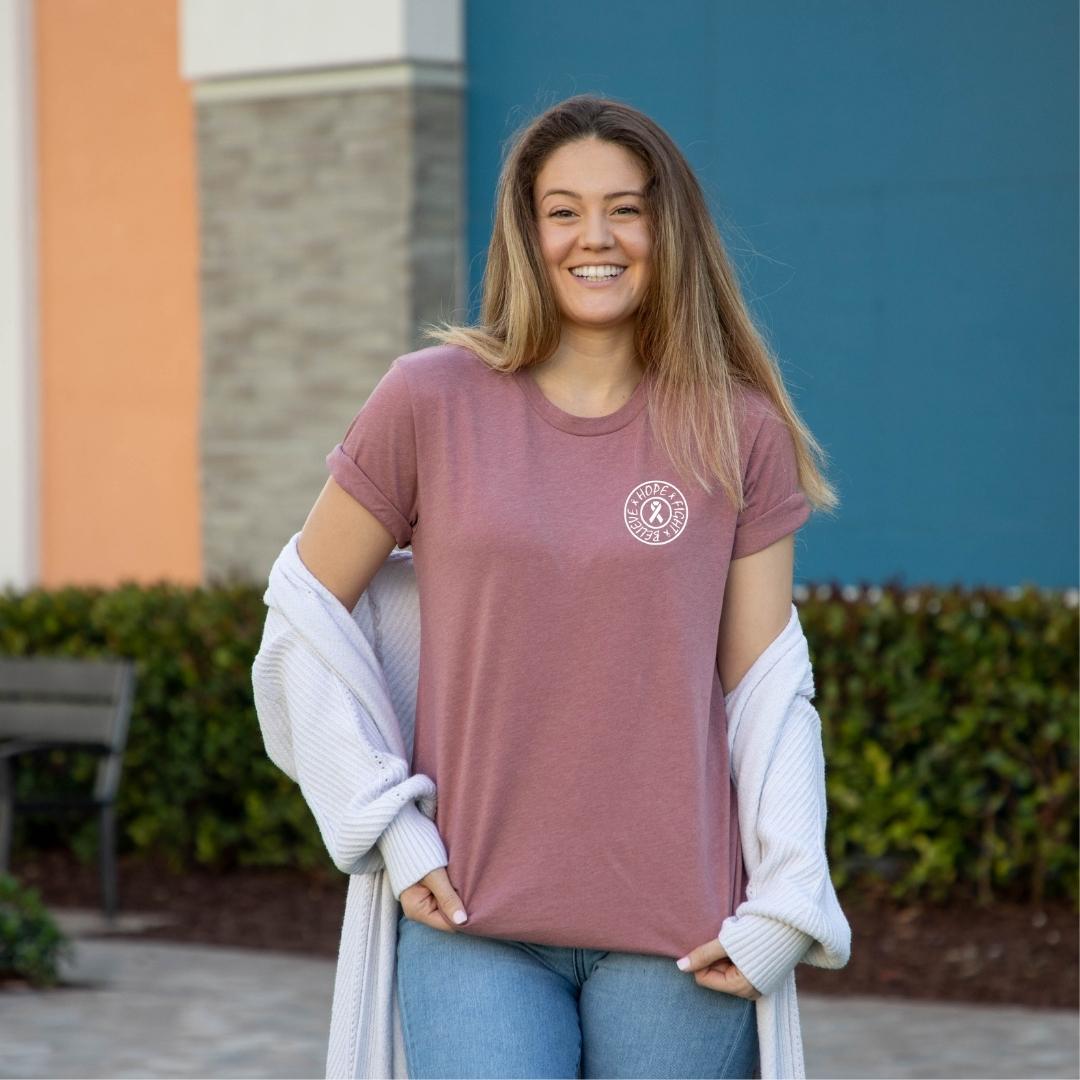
x: 897, y: 183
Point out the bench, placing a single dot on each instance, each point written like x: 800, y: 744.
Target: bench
x: 49, y: 703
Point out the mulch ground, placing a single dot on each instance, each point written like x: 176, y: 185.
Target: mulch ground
x: 1008, y: 954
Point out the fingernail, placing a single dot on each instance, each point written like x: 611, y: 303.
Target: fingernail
x: 460, y: 917
x: 684, y: 963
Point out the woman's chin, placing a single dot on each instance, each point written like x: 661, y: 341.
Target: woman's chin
x: 599, y: 319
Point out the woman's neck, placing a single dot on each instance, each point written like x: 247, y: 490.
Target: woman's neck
x: 594, y: 365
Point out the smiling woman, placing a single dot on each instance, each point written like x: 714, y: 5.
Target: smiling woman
x: 600, y: 485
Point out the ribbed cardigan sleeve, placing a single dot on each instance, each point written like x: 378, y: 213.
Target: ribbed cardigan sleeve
x: 317, y: 731
x: 790, y: 913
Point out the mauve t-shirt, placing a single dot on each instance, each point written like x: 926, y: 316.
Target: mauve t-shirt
x: 569, y: 706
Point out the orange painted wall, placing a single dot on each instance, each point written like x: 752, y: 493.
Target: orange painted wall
x: 120, y: 356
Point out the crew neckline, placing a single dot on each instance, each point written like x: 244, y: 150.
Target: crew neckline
x: 581, y: 425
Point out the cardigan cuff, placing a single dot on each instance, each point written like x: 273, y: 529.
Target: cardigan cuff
x: 411, y: 848
x: 765, y: 950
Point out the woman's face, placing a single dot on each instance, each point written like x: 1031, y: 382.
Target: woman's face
x: 591, y: 212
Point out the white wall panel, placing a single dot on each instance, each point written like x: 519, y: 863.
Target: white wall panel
x: 19, y: 472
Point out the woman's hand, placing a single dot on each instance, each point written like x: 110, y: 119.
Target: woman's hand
x: 712, y: 967
x: 432, y: 901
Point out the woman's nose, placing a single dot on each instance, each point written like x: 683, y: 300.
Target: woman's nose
x: 596, y: 231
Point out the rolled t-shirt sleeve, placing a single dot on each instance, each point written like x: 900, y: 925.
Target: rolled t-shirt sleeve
x: 774, y: 503
x: 376, y: 460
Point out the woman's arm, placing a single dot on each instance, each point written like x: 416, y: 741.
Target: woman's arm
x: 320, y: 733
x: 343, y: 544
x: 757, y: 606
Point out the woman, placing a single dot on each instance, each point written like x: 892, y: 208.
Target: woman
x: 601, y: 486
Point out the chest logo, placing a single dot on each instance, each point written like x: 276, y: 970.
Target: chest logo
x: 655, y: 512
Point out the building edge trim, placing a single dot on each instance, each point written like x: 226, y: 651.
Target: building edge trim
x: 420, y: 74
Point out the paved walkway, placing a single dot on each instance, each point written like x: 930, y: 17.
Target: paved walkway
x: 155, y: 1009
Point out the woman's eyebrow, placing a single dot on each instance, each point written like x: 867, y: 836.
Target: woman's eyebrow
x: 575, y: 195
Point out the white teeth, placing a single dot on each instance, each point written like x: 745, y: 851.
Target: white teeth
x: 597, y: 273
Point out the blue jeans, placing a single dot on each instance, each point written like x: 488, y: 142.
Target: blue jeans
x: 474, y: 1006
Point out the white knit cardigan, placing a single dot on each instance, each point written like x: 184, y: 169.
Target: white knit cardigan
x: 335, y: 696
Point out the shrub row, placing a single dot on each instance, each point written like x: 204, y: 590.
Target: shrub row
x: 949, y: 721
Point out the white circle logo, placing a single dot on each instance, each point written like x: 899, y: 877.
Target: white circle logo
x: 655, y: 512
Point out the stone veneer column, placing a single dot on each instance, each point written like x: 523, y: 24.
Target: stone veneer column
x: 331, y: 227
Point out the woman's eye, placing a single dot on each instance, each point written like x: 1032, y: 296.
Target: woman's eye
x: 632, y: 209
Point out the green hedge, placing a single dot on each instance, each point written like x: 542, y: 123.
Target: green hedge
x: 950, y: 726
x: 949, y: 722
x: 197, y: 786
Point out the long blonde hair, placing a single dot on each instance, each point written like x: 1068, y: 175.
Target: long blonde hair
x: 693, y: 333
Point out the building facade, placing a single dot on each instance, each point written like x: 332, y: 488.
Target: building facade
x: 226, y: 219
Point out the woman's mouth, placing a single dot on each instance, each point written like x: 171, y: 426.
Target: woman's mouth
x: 597, y: 276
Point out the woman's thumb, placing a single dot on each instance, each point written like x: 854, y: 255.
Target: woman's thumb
x: 449, y: 902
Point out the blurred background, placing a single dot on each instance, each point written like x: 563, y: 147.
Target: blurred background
x: 223, y: 219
